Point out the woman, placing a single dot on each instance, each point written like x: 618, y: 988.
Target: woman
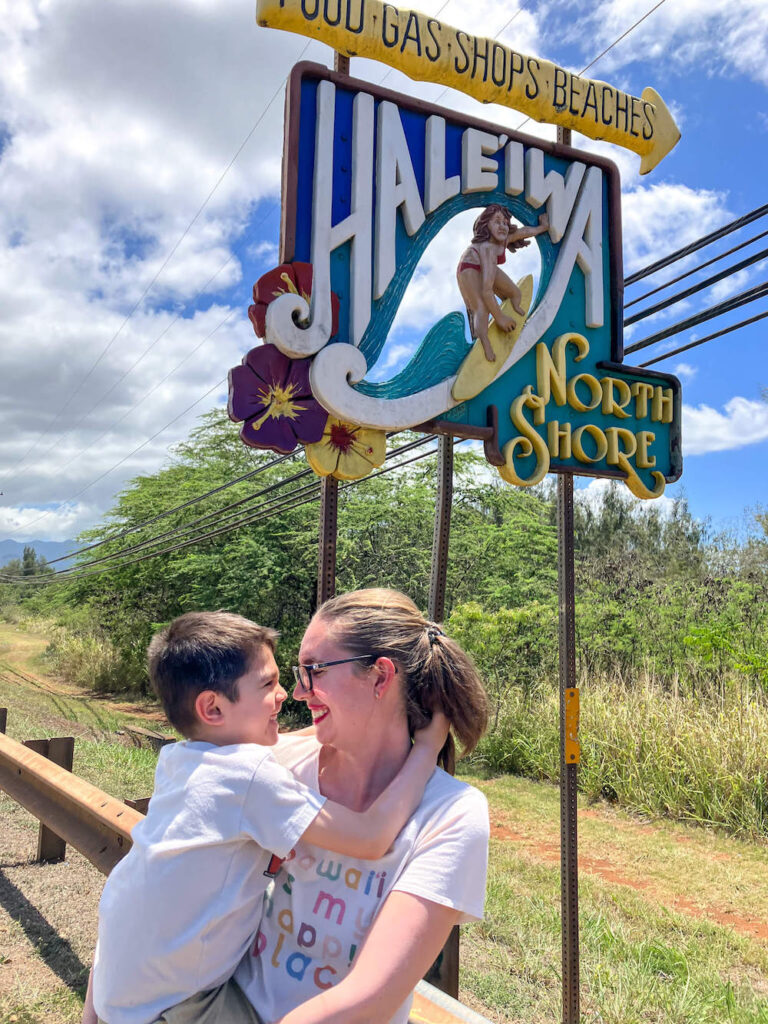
x: 343, y: 940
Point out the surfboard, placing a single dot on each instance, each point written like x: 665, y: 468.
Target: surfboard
x: 476, y: 372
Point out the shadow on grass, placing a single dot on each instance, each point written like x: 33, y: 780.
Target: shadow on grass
x: 57, y: 952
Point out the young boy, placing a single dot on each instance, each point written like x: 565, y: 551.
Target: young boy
x: 180, y: 910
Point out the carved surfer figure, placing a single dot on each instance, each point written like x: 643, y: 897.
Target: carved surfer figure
x: 481, y: 280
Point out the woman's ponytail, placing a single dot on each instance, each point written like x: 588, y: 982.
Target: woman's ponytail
x: 438, y: 674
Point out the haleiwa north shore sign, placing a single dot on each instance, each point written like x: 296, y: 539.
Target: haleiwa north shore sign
x: 370, y: 178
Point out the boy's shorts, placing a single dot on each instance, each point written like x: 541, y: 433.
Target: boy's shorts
x: 226, y: 1004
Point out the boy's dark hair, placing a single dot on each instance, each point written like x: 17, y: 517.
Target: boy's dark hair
x: 202, y: 651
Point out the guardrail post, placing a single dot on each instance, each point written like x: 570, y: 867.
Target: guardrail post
x: 51, y: 847
x: 141, y: 804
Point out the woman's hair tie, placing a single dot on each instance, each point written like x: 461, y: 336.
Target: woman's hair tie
x: 433, y: 632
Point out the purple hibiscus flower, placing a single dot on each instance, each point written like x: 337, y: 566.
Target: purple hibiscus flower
x: 271, y: 393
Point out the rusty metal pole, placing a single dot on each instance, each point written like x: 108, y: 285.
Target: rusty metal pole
x: 569, y: 743
x: 444, y: 973
x: 442, y: 531
x: 569, y: 754
x: 569, y: 746
x: 329, y: 485
x: 326, y: 555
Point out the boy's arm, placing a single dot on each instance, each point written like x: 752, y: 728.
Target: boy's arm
x: 370, y: 834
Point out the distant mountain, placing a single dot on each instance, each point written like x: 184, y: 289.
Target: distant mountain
x: 48, y: 549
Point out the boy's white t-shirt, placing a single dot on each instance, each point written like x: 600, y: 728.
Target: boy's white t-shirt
x: 179, y: 911
x: 321, y: 905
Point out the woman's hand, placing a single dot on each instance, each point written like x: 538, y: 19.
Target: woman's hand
x: 433, y: 735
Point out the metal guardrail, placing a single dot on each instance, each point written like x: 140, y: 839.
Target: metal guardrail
x: 99, y: 826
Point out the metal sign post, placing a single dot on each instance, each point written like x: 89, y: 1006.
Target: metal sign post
x: 444, y: 973
x: 326, y: 555
x: 442, y: 533
x: 569, y: 754
x: 569, y: 744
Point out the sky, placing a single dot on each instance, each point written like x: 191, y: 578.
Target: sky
x: 140, y: 154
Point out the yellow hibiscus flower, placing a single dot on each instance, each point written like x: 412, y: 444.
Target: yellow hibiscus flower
x: 346, y: 450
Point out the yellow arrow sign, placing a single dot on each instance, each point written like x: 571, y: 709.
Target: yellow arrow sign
x: 428, y: 50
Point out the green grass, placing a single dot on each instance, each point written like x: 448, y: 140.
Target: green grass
x: 640, y: 961
x: 103, y: 754
x: 61, y: 1007
x: 696, y: 759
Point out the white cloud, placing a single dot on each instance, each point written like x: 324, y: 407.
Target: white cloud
x: 685, y: 370
x: 742, y: 422
x: 659, y: 219
x: 730, y: 285
x: 594, y: 492
x: 712, y: 37
x: 60, y: 523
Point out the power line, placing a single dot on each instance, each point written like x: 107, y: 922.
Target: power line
x: 68, y: 575
x: 187, y: 357
x: 710, y: 337
x: 695, y: 270
x: 144, y: 397
x: 176, y: 508
x: 76, y: 570
x: 757, y: 292
x: 124, y: 459
x: 699, y: 286
x: 622, y: 36
x: 679, y: 254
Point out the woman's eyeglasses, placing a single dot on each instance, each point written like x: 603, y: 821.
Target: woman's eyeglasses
x: 303, y: 673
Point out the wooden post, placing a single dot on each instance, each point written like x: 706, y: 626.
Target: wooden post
x: 60, y: 750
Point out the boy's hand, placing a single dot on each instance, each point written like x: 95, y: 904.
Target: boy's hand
x: 543, y: 221
x: 435, y: 734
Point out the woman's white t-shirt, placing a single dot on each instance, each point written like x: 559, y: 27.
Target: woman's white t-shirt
x: 180, y: 910
x: 321, y: 905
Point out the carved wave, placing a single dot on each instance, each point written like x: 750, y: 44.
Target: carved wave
x: 437, y: 358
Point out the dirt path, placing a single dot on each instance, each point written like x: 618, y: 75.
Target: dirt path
x: 617, y: 872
